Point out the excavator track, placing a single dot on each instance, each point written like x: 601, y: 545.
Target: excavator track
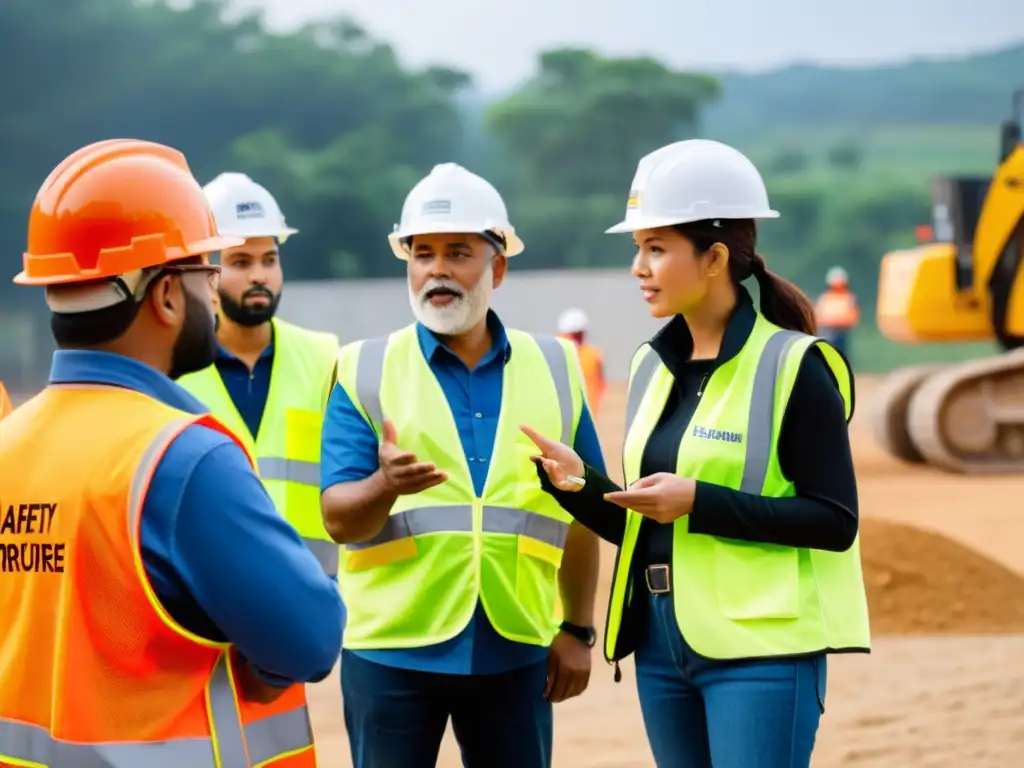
x: 888, y: 417
x: 969, y: 418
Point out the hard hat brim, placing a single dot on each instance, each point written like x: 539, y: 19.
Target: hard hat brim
x: 209, y: 245
x: 669, y: 221
x: 513, y: 244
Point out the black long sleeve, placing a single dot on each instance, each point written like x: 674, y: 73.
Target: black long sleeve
x: 814, y: 452
x: 588, y: 506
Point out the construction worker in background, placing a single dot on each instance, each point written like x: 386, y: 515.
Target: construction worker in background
x: 453, y: 555
x: 836, y: 310
x: 572, y: 325
x: 270, y: 380
x: 6, y: 406
x: 155, y: 609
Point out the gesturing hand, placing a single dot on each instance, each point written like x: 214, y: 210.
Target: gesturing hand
x: 663, y: 497
x: 560, y: 462
x: 404, y: 473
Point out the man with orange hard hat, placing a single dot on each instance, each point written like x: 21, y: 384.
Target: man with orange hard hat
x: 155, y: 610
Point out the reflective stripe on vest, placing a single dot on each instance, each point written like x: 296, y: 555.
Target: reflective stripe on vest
x: 459, y: 518
x: 305, y: 473
x: 265, y: 739
x: 759, y: 441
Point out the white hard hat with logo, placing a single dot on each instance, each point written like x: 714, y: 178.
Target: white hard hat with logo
x: 573, y: 321
x: 694, y: 180
x: 450, y: 200
x: 243, y: 208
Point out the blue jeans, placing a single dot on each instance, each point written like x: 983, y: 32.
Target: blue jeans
x: 701, y: 713
x: 396, y: 718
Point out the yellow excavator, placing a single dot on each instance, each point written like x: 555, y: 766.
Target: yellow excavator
x: 967, y: 284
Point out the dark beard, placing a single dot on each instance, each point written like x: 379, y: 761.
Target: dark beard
x: 196, y: 347
x: 248, y: 315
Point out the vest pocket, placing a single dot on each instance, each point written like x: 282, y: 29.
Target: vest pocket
x: 537, y: 574
x: 302, y: 431
x: 757, y: 581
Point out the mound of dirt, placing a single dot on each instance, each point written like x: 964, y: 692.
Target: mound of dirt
x: 922, y: 583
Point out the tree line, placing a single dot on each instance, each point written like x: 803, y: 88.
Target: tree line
x: 330, y: 121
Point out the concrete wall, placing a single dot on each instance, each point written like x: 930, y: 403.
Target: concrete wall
x: 530, y: 301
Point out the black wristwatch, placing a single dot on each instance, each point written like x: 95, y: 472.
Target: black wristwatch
x: 585, y: 635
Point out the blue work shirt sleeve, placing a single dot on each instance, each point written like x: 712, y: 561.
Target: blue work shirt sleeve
x: 242, y: 563
x: 348, y: 450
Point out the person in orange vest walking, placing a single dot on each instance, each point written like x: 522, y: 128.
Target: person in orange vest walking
x: 836, y: 310
x: 6, y: 406
x: 573, y: 325
x: 155, y: 609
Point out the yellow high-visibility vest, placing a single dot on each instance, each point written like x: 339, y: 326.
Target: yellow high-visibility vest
x: 738, y: 599
x: 287, y: 448
x: 417, y: 583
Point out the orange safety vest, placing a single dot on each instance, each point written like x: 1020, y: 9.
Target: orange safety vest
x: 6, y: 406
x: 837, y: 308
x: 592, y: 364
x: 93, y: 670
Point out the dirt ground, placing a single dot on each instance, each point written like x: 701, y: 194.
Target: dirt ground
x: 944, y: 685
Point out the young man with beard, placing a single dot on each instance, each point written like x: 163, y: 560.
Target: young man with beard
x: 155, y: 607
x: 270, y: 380
x: 453, y: 559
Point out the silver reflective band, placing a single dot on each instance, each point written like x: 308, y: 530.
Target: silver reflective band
x: 370, y: 376
x: 458, y: 518
x: 290, y: 471
x: 266, y: 739
x: 761, y: 418
x: 326, y: 552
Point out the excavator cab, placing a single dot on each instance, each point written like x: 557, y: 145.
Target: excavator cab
x: 965, y: 285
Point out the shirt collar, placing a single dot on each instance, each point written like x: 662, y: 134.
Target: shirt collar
x: 225, y: 354
x: 675, y: 343
x: 430, y: 343
x: 74, y: 366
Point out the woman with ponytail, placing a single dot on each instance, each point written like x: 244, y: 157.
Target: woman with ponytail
x: 738, y: 567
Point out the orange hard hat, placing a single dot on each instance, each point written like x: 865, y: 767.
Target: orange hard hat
x: 114, y: 207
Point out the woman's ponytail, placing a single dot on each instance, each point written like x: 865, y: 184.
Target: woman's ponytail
x: 782, y: 302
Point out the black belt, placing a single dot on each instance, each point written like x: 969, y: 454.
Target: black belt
x: 658, y: 578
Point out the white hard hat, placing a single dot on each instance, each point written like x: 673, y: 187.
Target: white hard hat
x: 572, y: 321
x: 837, y: 276
x: 452, y: 199
x: 243, y: 208
x: 691, y: 181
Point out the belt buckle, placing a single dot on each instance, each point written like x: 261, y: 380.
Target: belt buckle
x: 663, y: 569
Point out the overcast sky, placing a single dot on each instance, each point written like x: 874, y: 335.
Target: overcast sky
x: 498, y: 41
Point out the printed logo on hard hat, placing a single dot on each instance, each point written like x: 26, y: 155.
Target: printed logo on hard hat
x: 251, y: 210
x: 436, y: 207
x: 633, y: 201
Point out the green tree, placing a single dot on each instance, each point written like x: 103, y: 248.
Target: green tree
x: 580, y: 126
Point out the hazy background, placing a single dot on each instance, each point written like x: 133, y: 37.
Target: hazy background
x: 340, y: 107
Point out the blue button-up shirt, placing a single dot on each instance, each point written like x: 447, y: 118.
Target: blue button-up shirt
x: 349, y: 453
x: 247, y: 388
x: 221, y: 560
